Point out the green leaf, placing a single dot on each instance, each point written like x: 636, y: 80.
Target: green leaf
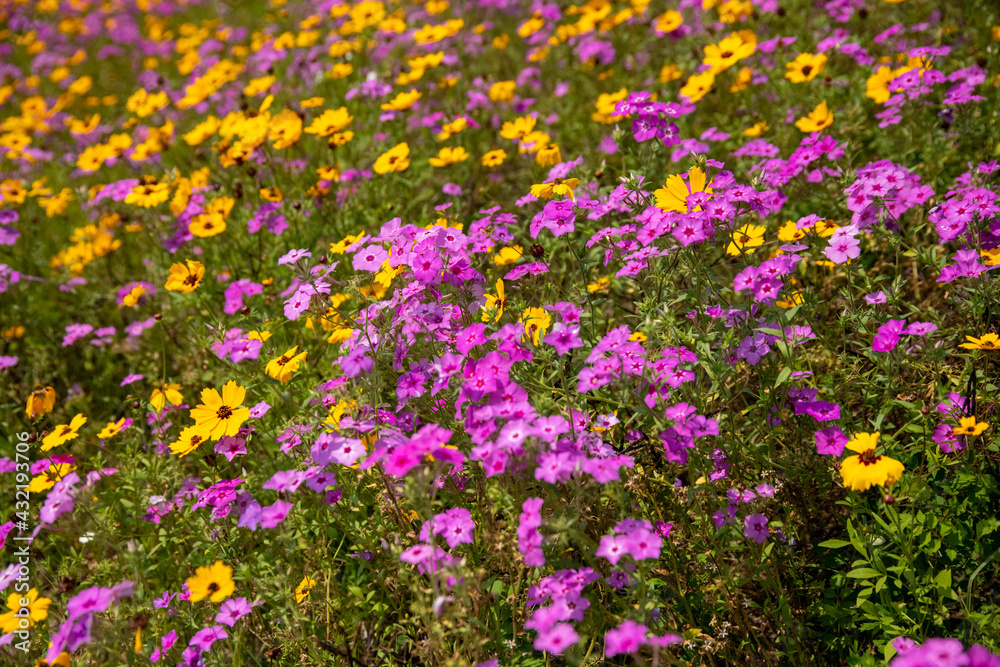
x: 782, y: 376
x: 834, y: 544
x: 863, y: 573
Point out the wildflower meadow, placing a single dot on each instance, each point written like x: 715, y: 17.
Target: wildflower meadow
x: 500, y: 333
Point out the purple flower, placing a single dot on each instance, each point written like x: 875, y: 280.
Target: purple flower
x: 755, y: 527
x: 556, y: 639
x: 272, y: 515
x: 233, y: 610
x: 204, y: 638
x: 753, y: 348
x: 626, y: 638
x: 130, y: 378
x: 830, y: 441
x: 88, y: 601
x: 293, y: 256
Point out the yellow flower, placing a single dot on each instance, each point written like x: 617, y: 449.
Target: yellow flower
x: 494, y: 158
x: 219, y: 416
x: 669, y: 21
x: 670, y: 73
x: 757, y: 129
x: 698, y: 85
x: 789, y: 232
x: 112, y: 429
x: 190, y: 439
x: 865, y: 470
x: 272, y: 194
x: 745, y: 239
x: 332, y: 120
x: 548, y: 156
x: 536, y: 322
x: 560, y: 186
x: 727, y: 53
x: 403, y: 101
x: 148, y: 194
x: 63, y: 433
x: 448, y: 156
x: 40, y: 401
x: 877, y: 85
x: 281, y: 368
x: 143, y: 104
x: 989, y: 341
x: 508, y: 255
x: 168, y: 392
x: 285, y: 129
x: 969, y: 426
x: 497, y: 302
x: 133, y: 296
x: 743, y: 80
x: 818, y: 119
x: 205, y: 226
x: 519, y: 128
x: 502, y: 91
x: 302, y: 590
x: 48, y: 479
x: 805, y: 67
x: 185, y: 277
x: 214, y: 582
x: 37, y: 610
x: 394, y: 159
x: 673, y: 195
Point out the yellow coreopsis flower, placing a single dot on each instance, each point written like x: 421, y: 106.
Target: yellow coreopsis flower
x: 508, y: 255
x: 497, y: 302
x: 394, y: 159
x: 502, y: 91
x: 560, y: 186
x: 818, y: 119
x: 281, y: 368
x: 111, y: 429
x: 37, y: 610
x: 727, y: 53
x: 969, y: 426
x: 48, y: 479
x: 168, y: 392
x: 548, y: 156
x: 698, y: 85
x: 185, y: 277
x: 219, y: 415
x: 518, y: 128
x: 214, y: 582
x: 805, y: 67
x: 989, y: 341
x: 447, y: 156
x: 190, y: 439
x: 867, y: 469
x: 668, y: 21
x: 403, y: 101
x: 303, y: 589
x: 745, y: 239
x: 494, y: 158
x: 132, y: 298
x: 40, y: 401
x: 63, y: 433
x: 536, y: 322
x: 331, y: 121
x: 673, y: 195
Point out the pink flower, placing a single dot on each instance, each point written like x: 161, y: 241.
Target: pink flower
x: 556, y: 639
x: 755, y: 527
x: 626, y: 638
